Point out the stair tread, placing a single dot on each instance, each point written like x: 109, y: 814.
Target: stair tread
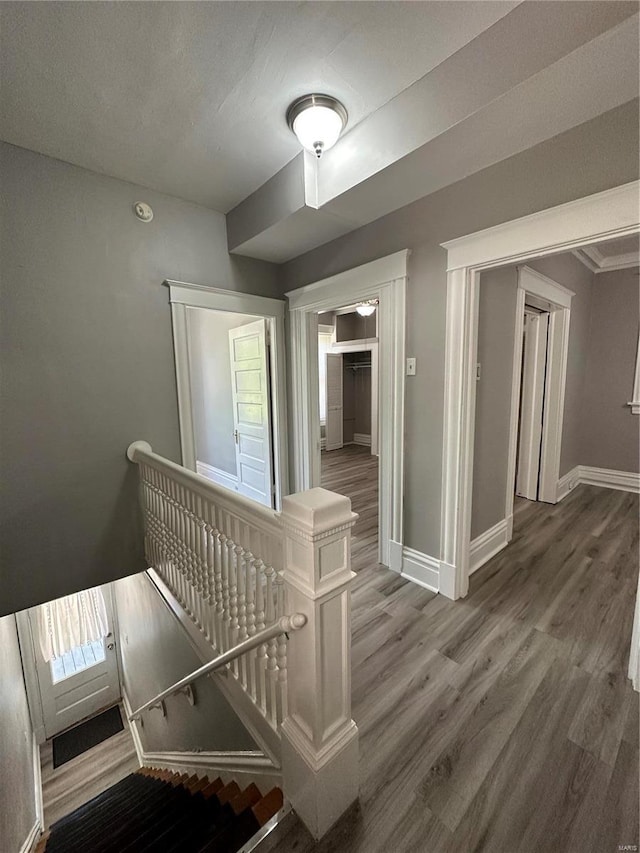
x: 158, y: 810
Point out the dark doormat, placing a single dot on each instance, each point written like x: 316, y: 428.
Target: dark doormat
x: 81, y: 738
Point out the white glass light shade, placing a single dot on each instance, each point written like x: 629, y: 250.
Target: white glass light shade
x: 317, y: 121
x: 318, y: 128
x: 365, y: 310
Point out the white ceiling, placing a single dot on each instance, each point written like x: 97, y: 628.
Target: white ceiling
x: 189, y: 98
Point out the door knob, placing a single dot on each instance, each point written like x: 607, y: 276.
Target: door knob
x: 111, y: 646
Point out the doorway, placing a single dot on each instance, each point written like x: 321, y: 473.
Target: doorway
x: 383, y: 280
x: 348, y: 410
x: 229, y: 357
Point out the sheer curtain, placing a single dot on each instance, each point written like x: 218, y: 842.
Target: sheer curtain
x: 72, y: 621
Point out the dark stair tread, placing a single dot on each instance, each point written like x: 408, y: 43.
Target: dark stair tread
x: 158, y: 811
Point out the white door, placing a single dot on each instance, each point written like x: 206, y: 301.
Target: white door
x: 252, y: 410
x: 334, y: 403
x: 81, y: 682
x: 534, y: 363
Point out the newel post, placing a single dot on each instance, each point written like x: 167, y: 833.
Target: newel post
x: 319, y: 738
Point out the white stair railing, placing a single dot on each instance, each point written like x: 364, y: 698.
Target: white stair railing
x: 238, y: 568
x: 221, y: 556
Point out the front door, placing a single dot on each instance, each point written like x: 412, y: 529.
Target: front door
x: 251, y: 396
x: 81, y: 682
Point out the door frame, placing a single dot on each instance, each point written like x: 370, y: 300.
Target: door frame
x: 557, y: 301
x: 593, y: 219
x: 386, y: 280
x: 182, y: 296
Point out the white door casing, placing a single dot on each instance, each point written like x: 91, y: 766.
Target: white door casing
x: 249, y: 363
x: 65, y: 703
x: 334, y: 406
x: 536, y: 326
x: 594, y: 219
x: 183, y: 296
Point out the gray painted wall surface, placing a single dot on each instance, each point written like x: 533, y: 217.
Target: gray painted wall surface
x: 566, y: 167
x: 570, y: 272
x: 155, y: 658
x: 88, y: 365
x: 211, y: 390
x: 496, y: 328
x: 610, y: 436
x: 17, y: 788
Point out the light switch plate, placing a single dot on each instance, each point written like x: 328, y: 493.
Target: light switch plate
x: 411, y: 367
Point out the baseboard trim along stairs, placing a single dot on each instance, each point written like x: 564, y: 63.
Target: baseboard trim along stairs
x: 153, y: 810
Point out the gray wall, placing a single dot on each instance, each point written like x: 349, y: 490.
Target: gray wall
x: 496, y: 329
x: 610, y: 436
x: 592, y: 157
x: 88, y: 363
x: 17, y: 789
x: 568, y: 271
x: 211, y: 390
x: 155, y: 658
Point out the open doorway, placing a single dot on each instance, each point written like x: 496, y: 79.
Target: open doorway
x: 229, y: 355
x: 348, y: 410
x: 383, y: 280
x: 230, y: 385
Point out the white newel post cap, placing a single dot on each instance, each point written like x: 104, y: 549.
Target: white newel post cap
x: 317, y: 525
x: 316, y: 511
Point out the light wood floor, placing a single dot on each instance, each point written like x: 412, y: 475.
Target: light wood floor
x: 504, y: 722
x: 84, y: 777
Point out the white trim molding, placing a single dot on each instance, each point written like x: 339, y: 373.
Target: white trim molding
x: 32, y: 838
x: 184, y: 296
x: 605, y: 478
x: 594, y: 219
x: 489, y: 543
x: 635, y: 400
x: 567, y: 483
x: 594, y: 260
x: 421, y: 569
x: 386, y: 280
x: 362, y: 439
x: 217, y: 475
x: 625, y: 481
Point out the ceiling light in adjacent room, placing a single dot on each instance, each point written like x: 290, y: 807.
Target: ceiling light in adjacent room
x: 317, y: 121
x: 366, y: 309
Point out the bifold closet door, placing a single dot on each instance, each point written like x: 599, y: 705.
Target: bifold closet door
x: 334, y: 403
x: 534, y: 363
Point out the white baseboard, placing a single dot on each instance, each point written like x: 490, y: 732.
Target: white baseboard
x: 362, y: 438
x: 567, y: 483
x: 626, y: 481
x: 421, y: 569
x: 32, y: 838
x: 606, y: 478
x: 487, y: 545
x: 217, y: 475
x: 133, y: 727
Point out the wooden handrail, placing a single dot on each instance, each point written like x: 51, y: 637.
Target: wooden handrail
x: 284, y: 625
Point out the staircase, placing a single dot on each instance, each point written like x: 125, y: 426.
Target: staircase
x: 164, y: 812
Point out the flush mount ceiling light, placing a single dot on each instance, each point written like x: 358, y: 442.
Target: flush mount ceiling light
x: 366, y: 309
x: 317, y: 121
